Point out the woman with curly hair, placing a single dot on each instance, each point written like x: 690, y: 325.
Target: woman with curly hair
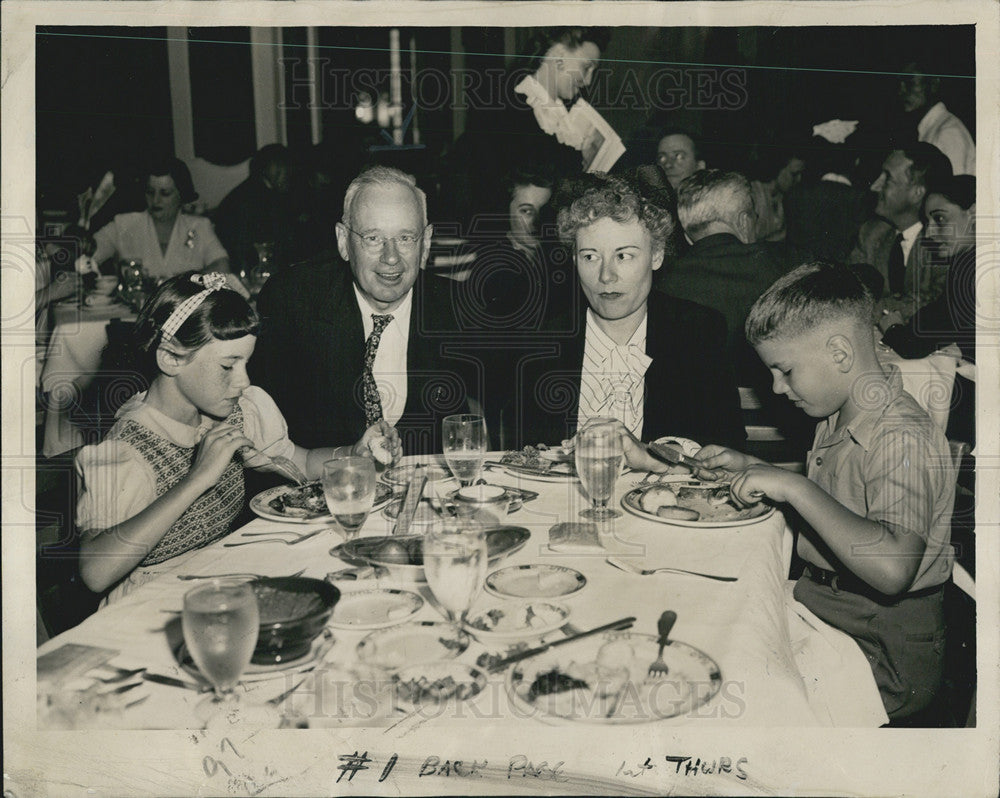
x: 654, y: 362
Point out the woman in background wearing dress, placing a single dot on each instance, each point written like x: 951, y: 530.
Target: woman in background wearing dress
x: 166, y: 240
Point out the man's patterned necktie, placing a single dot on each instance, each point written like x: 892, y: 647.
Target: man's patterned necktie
x: 373, y: 402
x: 897, y: 266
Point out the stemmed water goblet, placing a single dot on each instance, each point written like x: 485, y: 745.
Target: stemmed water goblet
x: 464, y: 444
x: 220, y: 622
x: 599, y: 458
x: 455, y: 560
x: 349, y: 488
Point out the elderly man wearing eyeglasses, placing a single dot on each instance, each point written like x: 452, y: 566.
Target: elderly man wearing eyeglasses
x: 342, y: 346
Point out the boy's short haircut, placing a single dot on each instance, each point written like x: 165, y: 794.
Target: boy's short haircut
x: 806, y: 297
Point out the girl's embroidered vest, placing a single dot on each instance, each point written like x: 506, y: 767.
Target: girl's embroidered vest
x: 212, y: 513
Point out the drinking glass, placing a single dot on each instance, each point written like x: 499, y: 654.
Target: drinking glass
x: 455, y: 559
x: 220, y: 623
x: 599, y: 458
x: 464, y: 446
x: 349, y: 487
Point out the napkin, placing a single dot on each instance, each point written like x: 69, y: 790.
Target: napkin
x: 838, y: 680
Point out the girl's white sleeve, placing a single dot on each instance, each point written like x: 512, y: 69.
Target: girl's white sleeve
x: 264, y: 424
x: 115, y: 485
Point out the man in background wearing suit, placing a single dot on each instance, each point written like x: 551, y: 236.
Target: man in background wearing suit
x: 343, y: 345
x: 894, y: 243
x: 654, y: 362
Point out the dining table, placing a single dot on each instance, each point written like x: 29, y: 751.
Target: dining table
x: 767, y: 668
x: 72, y: 361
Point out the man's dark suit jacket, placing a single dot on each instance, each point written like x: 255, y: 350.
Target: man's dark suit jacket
x: 824, y: 218
x: 721, y: 272
x: 926, y: 273
x: 310, y: 357
x: 690, y: 390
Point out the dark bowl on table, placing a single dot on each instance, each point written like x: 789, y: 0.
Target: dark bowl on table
x: 293, y: 611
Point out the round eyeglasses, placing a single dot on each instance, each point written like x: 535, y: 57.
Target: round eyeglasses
x: 375, y: 242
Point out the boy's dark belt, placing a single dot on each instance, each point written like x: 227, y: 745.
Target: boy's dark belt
x: 851, y: 584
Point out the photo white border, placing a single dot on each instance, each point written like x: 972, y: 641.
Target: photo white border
x: 781, y: 761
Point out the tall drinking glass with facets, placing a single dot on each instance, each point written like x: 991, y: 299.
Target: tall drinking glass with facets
x: 349, y: 488
x: 464, y: 444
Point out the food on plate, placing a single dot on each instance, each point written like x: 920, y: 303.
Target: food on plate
x: 715, y: 495
x: 423, y: 689
x: 657, y: 497
x: 519, y: 618
x: 304, y: 501
x: 396, y: 553
x: 614, y: 683
x: 554, y: 682
x: 678, y: 513
x: 528, y: 457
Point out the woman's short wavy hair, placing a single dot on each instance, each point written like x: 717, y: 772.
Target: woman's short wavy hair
x: 616, y: 197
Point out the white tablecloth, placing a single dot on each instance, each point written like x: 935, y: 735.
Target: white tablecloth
x: 742, y: 625
x: 79, y: 335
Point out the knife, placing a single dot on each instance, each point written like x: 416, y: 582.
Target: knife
x: 624, y: 623
x: 674, y: 456
x: 170, y: 681
x: 409, y: 508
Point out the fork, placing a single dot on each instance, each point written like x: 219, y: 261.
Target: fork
x: 276, y: 540
x: 658, y: 667
x: 272, y: 532
x: 282, y: 465
x: 624, y: 565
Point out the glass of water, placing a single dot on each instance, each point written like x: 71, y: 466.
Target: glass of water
x: 599, y: 459
x: 349, y: 488
x: 464, y: 444
x: 455, y: 560
x: 220, y: 621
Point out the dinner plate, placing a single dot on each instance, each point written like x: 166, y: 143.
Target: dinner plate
x: 559, y: 472
x: 722, y: 515
x: 374, y: 609
x: 389, y: 551
x: 401, y: 475
x: 535, y: 581
x: 433, y: 683
x: 255, y: 673
x: 608, y: 682
x: 509, y: 620
x: 412, y: 644
x: 260, y: 505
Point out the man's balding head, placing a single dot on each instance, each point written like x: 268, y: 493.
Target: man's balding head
x: 713, y: 201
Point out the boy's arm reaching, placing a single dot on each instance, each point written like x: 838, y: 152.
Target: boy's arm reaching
x: 883, y: 555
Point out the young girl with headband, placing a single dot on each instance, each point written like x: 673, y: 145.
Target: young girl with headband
x: 168, y: 477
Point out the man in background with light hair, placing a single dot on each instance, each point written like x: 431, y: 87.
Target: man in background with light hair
x: 726, y: 269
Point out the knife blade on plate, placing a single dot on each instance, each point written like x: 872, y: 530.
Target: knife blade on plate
x: 409, y: 508
x: 623, y: 623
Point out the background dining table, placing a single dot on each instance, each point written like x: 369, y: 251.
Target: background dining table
x: 742, y: 625
x: 72, y: 361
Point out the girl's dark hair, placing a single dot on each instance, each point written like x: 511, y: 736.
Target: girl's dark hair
x: 177, y: 170
x: 223, y: 315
